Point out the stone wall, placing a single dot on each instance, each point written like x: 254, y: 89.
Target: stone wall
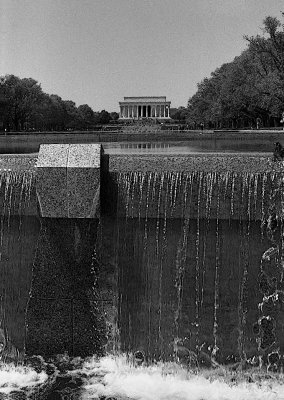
x: 167, y: 225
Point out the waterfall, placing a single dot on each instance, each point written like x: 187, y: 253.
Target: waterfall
x: 15, y: 198
x: 173, y: 227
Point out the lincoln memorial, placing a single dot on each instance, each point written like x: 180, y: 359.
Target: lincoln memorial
x: 145, y: 107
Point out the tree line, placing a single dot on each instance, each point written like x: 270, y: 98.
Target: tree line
x: 25, y: 106
x: 247, y: 92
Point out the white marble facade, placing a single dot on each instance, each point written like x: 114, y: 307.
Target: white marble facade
x: 144, y: 107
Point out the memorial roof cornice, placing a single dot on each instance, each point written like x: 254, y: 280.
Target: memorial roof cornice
x: 145, y: 99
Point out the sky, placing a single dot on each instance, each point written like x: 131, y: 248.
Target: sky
x: 98, y: 51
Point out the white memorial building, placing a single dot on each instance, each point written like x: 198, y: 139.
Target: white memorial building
x: 144, y: 107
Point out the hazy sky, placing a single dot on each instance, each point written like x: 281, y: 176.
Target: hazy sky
x: 97, y: 51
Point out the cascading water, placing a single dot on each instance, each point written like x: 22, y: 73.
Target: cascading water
x: 15, y: 190
x: 181, y: 264
x: 268, y: 327
x: 17, y: 237
x: 180, y: 222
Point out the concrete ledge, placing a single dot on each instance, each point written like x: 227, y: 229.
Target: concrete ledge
x: 207, y: 162
x: 68, y: 180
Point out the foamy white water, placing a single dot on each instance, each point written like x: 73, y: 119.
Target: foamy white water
x: 14, y: 378
x: 117, y: 377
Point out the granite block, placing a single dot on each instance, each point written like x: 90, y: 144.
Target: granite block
x: 53, y: 156
x: 52, y: 192
x: 89, y: 329
x: 68, y: 180
x: 84, y: 155
x: 64, y: 326
x: 52, y: 277
x: 62, y: 315
x: 83, y: 185
x: 49, y: 327
x: 62, y: 265
x: 83, y: 180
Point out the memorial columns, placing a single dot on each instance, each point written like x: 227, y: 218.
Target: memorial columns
x: 144, y: 107
x: 137, y: 110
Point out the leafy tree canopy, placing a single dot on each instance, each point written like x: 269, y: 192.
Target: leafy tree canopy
x: 249, y: 88
x: 27, y: 107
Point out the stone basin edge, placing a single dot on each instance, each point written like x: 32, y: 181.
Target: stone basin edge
x: 199, y: 161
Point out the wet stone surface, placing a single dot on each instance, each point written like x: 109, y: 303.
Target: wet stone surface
x: 62, y: 315
x: 68, y: 180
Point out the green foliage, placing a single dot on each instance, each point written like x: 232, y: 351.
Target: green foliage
x: 179, y: 114
x: 26, y: 107
x: 114, y: 116
x: 248, y: 89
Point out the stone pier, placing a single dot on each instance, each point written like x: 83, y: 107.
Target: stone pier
x: 68, y: 180
x: 62, y: 313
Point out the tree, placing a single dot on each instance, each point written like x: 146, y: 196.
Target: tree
x: 104, y: 117
x: 86, y: 115
x: 249, y: 88
x: 114, y: 116
x: 23, y: 95
x: 268, y: 50
x: 28, y: 107
x: 179, y: 113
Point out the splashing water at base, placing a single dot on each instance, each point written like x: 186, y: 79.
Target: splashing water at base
x: 14, y: 378
x: 118, y: 378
